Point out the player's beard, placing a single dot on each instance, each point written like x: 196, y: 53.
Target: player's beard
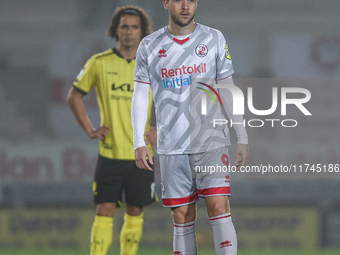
x: 178, y: 22
x: 130, y: 44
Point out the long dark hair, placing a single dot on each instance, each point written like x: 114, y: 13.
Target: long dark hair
x: 146, y: 23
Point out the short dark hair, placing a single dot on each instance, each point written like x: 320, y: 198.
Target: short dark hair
x: 146, y: 24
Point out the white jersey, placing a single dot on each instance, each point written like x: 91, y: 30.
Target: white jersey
x: 180, y: 72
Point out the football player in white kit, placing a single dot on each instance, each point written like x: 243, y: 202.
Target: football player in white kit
x: 183, y: 62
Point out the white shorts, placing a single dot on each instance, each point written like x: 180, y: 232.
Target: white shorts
x: 186, y: 177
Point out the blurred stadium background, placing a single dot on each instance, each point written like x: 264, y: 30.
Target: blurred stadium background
x: 47, y: 163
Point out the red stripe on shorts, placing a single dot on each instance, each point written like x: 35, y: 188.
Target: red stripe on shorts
x: 179, y: 201
x: 214, y: 191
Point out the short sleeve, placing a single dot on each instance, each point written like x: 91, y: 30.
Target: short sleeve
x: 224, y: 64
x: 87, y: 77
x: 142, y: 69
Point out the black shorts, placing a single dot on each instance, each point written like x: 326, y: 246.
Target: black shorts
x: 112, y: 177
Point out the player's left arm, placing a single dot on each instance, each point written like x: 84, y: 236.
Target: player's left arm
x: 241, y: 155
x: 241, y: 150
x: 224, y: 70
x: 151, y: 136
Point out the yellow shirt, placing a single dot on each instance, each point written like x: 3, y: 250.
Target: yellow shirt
x: 112, y: 76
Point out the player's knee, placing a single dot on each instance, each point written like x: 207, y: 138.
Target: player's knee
x: 216, y: 209
x: 133, y: 210
x: 184, y: 214
x: 106, y: 209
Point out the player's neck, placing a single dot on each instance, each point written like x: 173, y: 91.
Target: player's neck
x: 127, y: 53
x: 178, y: 30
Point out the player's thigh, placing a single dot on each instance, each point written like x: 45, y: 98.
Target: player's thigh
x: 139, y: 185
x: 108, y: 182
x: 212, y: 173
x: 177, y: 180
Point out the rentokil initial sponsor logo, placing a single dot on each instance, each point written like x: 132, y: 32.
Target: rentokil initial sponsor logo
x: 178, y: 77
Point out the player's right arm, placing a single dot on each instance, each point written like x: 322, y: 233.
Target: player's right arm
x: 139, y: 107
x: 82, y: 85
x: 151, y: 135
x: 139, y: 114
x: 74, y: 100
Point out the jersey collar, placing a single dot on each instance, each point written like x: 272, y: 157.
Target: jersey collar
x: 184, y: 40
x: 120, y: 55
x: 181, y: 41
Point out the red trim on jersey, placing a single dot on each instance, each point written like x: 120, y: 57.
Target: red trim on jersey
x: 179, y: 201
x: 142, y: 82
x: 226, y: 77
x: 184, y: 226
x: 222, y: 217
x: 181, y: 41
x: 214, y: 191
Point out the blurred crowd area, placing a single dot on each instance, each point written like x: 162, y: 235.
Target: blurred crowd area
x: 45, y: 156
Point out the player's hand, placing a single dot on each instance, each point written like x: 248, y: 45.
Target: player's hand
x: 100, y: 133
x: 141, y: 156
x: 241, y: 150
x: 151, y: 137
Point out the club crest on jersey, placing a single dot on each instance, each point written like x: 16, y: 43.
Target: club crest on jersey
x: 201, y: 50
x: 81, y: 72
x: 161, y: 53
